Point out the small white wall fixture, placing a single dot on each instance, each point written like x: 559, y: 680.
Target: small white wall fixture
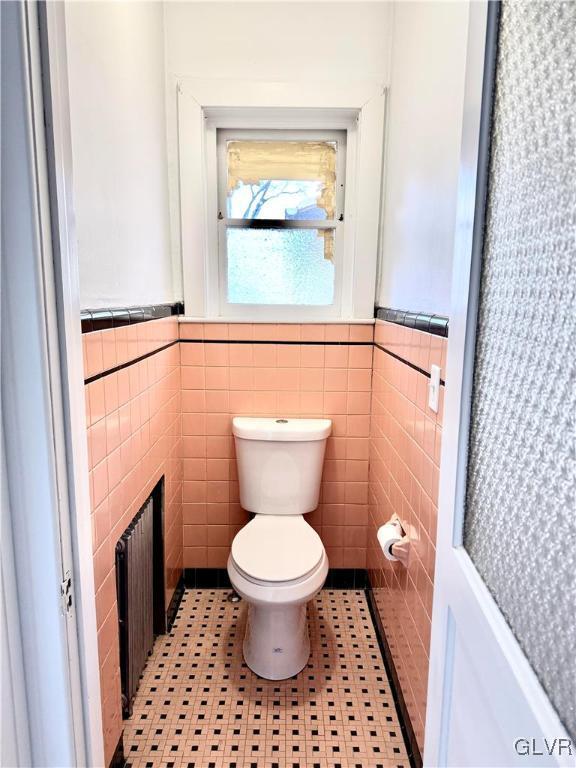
x: 204, y: 106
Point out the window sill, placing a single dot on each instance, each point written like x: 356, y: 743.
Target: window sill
x: 258, y: 321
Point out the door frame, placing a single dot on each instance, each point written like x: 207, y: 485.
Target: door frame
x: 53, y: 49
x: 43, y: 403
x: 469, y: 230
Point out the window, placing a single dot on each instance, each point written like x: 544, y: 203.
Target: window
x: 249, y: 249
x: 280, y: 219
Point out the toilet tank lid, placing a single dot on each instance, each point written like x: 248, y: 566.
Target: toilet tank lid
x: 279, y: 429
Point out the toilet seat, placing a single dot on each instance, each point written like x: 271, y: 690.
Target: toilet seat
x: 277, y: 549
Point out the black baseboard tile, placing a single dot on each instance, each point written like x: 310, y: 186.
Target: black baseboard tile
x: 175, y: 603
x: 405, y: 723
x: 118, y: 758
x: 346, y: 578
x: 217, y: 578
x: 206, y: 578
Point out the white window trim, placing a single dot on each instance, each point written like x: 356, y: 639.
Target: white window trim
x: 289, y: 311
x: 207, y: 105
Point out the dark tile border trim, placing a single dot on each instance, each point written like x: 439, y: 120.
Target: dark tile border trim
x: 406, y: 362
x: 437, y: 329
x: 420, y: 321
x: 279, y: 343
x: 117, y: 368
x: 217, y: 578
x: 405, y: 723
x: 175, y: 603
x: 103, y: 319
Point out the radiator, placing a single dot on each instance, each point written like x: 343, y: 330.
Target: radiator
x: 135, y: 592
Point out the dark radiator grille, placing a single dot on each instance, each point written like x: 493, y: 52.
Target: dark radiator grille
x: 134, y: 584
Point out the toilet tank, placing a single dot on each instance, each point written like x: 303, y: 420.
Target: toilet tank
x: 280, y: 463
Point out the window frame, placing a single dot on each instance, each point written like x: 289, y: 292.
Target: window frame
x: 204, y: 107
x: 271, y: 311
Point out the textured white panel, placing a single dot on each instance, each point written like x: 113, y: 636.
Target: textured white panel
x: 520, y: 526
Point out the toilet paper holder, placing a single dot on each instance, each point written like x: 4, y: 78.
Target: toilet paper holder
x: 394, y: 541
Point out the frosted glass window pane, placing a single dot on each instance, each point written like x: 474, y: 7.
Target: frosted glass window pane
x: 279, y: 266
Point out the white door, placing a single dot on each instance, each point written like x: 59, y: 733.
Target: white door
x: 486, y: 705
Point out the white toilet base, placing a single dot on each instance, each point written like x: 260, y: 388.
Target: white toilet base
x: 276, y: 643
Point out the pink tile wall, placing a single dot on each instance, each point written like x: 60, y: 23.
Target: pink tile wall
x: 178, y: 404
x: 220, y: 380
x: 404, y: 470
x: 104, y: 350
x: 134, y: 437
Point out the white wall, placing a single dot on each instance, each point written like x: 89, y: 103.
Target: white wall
x: 422, y: 154
x: 281, y: 41
x: 117, y: 95
x: 128, y: 235
x: 278, y: 41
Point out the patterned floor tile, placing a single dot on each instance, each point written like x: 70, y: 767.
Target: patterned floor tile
x: 199, y: 706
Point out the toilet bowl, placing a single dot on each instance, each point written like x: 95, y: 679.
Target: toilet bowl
x: 277, y: 562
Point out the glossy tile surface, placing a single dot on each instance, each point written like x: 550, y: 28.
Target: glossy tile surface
x: 301, y: 371
x: 134, y: 438
x: 200, y: 706
x: 405, y: 442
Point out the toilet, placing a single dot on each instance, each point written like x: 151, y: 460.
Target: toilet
x: 277, y: 562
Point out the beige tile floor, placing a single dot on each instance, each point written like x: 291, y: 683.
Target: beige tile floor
x: 199, y: 706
